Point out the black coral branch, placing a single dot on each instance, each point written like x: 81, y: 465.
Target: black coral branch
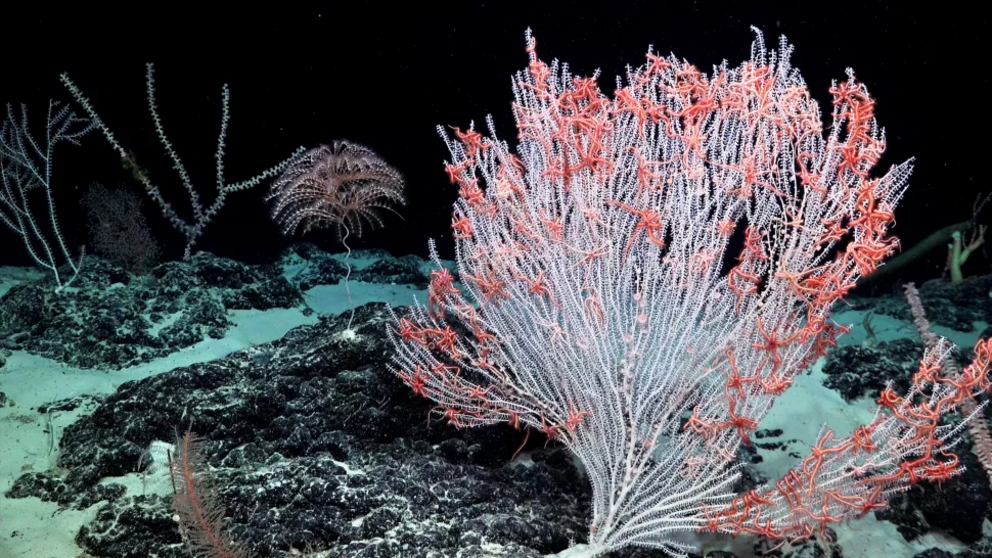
x: 200, y: 513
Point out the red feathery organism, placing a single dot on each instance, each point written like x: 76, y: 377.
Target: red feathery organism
x: 196, y: 504
x: 342, y: 185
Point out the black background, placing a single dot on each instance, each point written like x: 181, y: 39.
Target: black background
x: 384, y: 75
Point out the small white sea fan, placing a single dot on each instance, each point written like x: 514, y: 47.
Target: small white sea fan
x: 342, y: 185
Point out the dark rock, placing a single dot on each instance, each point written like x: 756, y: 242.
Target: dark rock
x: 107, y: 319
x: 310, y: 444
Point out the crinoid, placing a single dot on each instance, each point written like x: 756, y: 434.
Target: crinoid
x: 343, y: 185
